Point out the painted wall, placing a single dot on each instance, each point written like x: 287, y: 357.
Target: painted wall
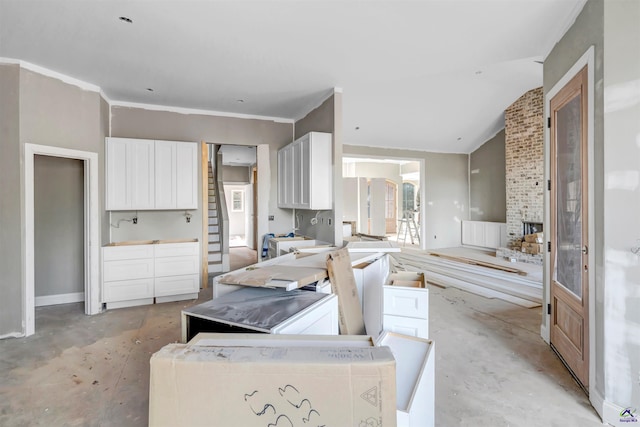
x: 11, y: 189
x: 39, y: 110
x: 587, y: 30
x: 446, y: 191
x: 151, y: 124
x: 236, y: 174
x: 622, y: 203
x: 487, y: 193
x: 326, y: 118
x: 58, y: 225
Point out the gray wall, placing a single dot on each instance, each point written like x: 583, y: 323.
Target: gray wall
x: 236, y: 174
x: 587, y: 30
x: 39, y: 110
x: 10, y: 202
x: 622, y: 201
x: 487, y: 192
x: 58, y: 225
x: 166, y: 125
x: 446, y: 191
x: 325, y: 119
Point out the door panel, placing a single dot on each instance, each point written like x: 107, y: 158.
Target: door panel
x: 568, y: 234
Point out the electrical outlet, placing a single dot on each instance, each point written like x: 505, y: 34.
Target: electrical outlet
x: 271, y: 217
x: 135, y: 219
x: 329, y: 222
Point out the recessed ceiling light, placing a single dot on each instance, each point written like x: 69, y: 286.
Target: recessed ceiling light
x: 357, y: 127
x: 150, y: 89
x: 479, y: 72
x: 240, y: 100
x: 459, y: 138
x: 125, y: 19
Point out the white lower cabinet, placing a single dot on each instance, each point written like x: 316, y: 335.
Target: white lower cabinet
x: 135, y: 275
x: 396, y: 302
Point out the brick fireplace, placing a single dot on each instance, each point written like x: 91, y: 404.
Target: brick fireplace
x: 524, y: 162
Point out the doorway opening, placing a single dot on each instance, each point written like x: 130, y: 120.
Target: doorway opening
x: 91, y: 239
x: 388, y: 194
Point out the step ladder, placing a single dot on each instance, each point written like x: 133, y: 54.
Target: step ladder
x: 408, y: 226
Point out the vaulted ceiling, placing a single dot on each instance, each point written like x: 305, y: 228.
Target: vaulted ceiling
x: 426, y: 75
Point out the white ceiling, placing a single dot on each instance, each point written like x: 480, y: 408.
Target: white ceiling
x: 414, y: 74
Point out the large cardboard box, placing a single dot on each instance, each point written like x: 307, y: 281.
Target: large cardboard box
x: 202, y: 385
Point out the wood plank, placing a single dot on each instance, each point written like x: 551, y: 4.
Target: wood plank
x: 480, y: 263
x: 275, y: 276
x: 343, y: 284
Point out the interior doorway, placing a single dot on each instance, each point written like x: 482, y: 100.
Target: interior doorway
x: 373, y: 200
x: 91, y: 239
x: 58, y: 230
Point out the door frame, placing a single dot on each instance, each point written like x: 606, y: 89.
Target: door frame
x: 92, y: 303
x: 587, y: 59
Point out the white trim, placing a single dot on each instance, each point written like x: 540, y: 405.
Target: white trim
x: 262, y: 208
x: 597, y: 401
x: 182, y: 110
x: 50, y: 73
x: 544, y: 333
x: 92, y: 236
x: 568, y: 22
x: 588, y: 59
x: 59, y: 299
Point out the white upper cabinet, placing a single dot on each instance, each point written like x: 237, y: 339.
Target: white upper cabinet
x: 145, y: 174
x: 305, y: 173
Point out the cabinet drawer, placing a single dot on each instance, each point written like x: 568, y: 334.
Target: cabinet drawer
x: 128, y: 270
x: 176, y: 249
x: 176, y: 285
x: 406, y: 326
x: 176, y: 266
x: 406, y: 302
x: 123, y: 290
x: 114, y: 253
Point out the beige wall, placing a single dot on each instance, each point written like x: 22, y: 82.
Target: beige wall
x: 622, y: 202
x: 38, y: 110
x: 11, y: 222
x: 487, y: 193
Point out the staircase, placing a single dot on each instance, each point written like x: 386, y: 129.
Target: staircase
x: 214, y: 256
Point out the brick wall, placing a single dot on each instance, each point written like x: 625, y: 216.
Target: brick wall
x: 524, y: 161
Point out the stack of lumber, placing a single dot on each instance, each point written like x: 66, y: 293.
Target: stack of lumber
x: 476, y: 275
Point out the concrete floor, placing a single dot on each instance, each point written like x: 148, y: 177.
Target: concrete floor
x: 493, y: 369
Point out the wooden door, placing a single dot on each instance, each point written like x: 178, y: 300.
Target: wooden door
x: 569, y: 227
x: 391, y: 207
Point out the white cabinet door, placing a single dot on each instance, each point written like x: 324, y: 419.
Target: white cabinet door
x: 165, y: 175
x: 304, y: 176
x: 186, y: 175
x: 305, y: 173
x: 141, y: 169
x: 117, y: 173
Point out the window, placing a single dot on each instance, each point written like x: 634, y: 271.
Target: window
x: 408, y: 197
x: 237, y: 200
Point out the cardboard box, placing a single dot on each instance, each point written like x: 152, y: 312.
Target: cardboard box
x: 198, y: 385
x: 534, y: 238
x: 532, y: 248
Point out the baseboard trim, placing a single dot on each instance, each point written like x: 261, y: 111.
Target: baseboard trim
x: 597, y: 401
x: 59, y: 299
